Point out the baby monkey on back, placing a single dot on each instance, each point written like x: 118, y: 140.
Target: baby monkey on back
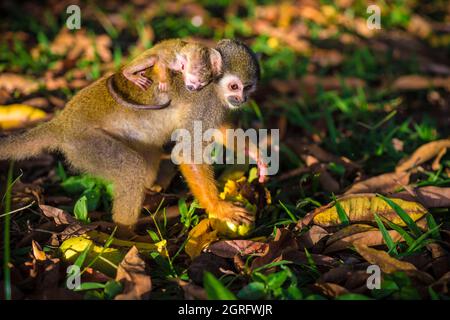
x: 197, y: 63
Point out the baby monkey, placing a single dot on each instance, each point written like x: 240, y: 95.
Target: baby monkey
x: 198, y: 64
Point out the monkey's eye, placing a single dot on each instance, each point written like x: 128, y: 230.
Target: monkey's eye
x: 182, y: 66
x: 248, y: 87
x: 234, y: 86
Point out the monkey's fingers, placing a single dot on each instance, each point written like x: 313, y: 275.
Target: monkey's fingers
x: 143, y: 82
x: 163, y: 86
x: 242, y: 216
x: 262, y: 171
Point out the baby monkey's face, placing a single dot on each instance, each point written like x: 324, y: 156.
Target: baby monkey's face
x: 199, y: 65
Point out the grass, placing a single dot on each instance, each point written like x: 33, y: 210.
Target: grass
x: 6, y: 233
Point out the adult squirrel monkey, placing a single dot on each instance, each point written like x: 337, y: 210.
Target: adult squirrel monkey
x: 123, y: 145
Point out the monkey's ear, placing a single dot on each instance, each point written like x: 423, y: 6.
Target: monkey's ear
x: 216, y: 62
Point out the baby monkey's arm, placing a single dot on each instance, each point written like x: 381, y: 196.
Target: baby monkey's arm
x: 135, y: 70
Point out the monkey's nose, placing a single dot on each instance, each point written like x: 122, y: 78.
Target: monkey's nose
x: 235, y: 100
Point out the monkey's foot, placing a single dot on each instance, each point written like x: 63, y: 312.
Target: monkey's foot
x: 139, y: 80
x: 163, y: 86
x: 226, y: 211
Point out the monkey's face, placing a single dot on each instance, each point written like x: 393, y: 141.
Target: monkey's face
x: 235, y: 91
x: 196, y: 69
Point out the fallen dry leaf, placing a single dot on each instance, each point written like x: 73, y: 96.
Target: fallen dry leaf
x: 369, y: 238
x: 19, y: 115
x: 383, y: 183
x: 416, y: 82
x: 38, y: 254
x: 424, y: 153
x: 430, y: 196
x: 132, y: 273
x: 208, y: 262
x: 200, y: 237
x: 59, y: 216
x: 283, y: 242
x: 389, y: 264
x: 311, y: 237
x: 362, y: 207
x: 230, y: 248
x: 12, y: 82
x: 329, y: 289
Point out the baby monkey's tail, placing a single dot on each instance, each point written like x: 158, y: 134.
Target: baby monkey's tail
x: 30, y: 143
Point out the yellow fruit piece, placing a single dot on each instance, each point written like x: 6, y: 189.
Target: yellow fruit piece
x: 361, y: 208
x: 231, y: 230
x: 16, y: 115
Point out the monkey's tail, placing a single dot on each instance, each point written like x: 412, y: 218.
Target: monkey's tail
x: 30, y: 143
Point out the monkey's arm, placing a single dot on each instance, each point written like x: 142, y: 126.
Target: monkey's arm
x: 200, y: 178
x: 251, y: 149
x: 134, y: 71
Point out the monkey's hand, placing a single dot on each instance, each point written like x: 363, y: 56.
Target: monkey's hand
x: 262, y: 171
x: 226, y: 211
x: 163, y: 86
x: 139, y: 79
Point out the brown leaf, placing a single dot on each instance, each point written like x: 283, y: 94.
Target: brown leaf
x: 440, y: 263
x: 207, y: 262
x: 311, y: 237
x: 11, y: 82
x: 37, y: 251
x: 230, y: 248
x: 424, y: 153
x: 389, y: 265
x: 416, y: 82
x: 383, y: 259
x: 430, y: 196
x: 443, y: 284
x: 384, y: 183
x: 192, y: 291
x: 368, y: 238
x: 301, y: 258
x: 330, y: 289
x: 348, y: 231
x: 59, y: 216
x: 134, y: 277
x: 283, y: 242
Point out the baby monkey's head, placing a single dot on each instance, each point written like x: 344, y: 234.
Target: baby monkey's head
x: 199, y: 65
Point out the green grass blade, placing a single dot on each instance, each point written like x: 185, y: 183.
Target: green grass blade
x: 403, y: 215
x: 215, y: 290
x: 420, y: 241
x: 432, y: 225
x: 343, y: 217
x: 386, y: 236
x: 409, y: 240
x: 6, y: 234
x: 290, y: 214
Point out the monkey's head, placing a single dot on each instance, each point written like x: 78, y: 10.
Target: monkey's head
x: 199, y: 65
x: 240, y: 72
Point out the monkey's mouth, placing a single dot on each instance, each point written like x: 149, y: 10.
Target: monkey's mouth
x: 235, y: 102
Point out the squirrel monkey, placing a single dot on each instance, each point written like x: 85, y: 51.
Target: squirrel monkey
x: 122, y: 145
x: 197, y: 63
